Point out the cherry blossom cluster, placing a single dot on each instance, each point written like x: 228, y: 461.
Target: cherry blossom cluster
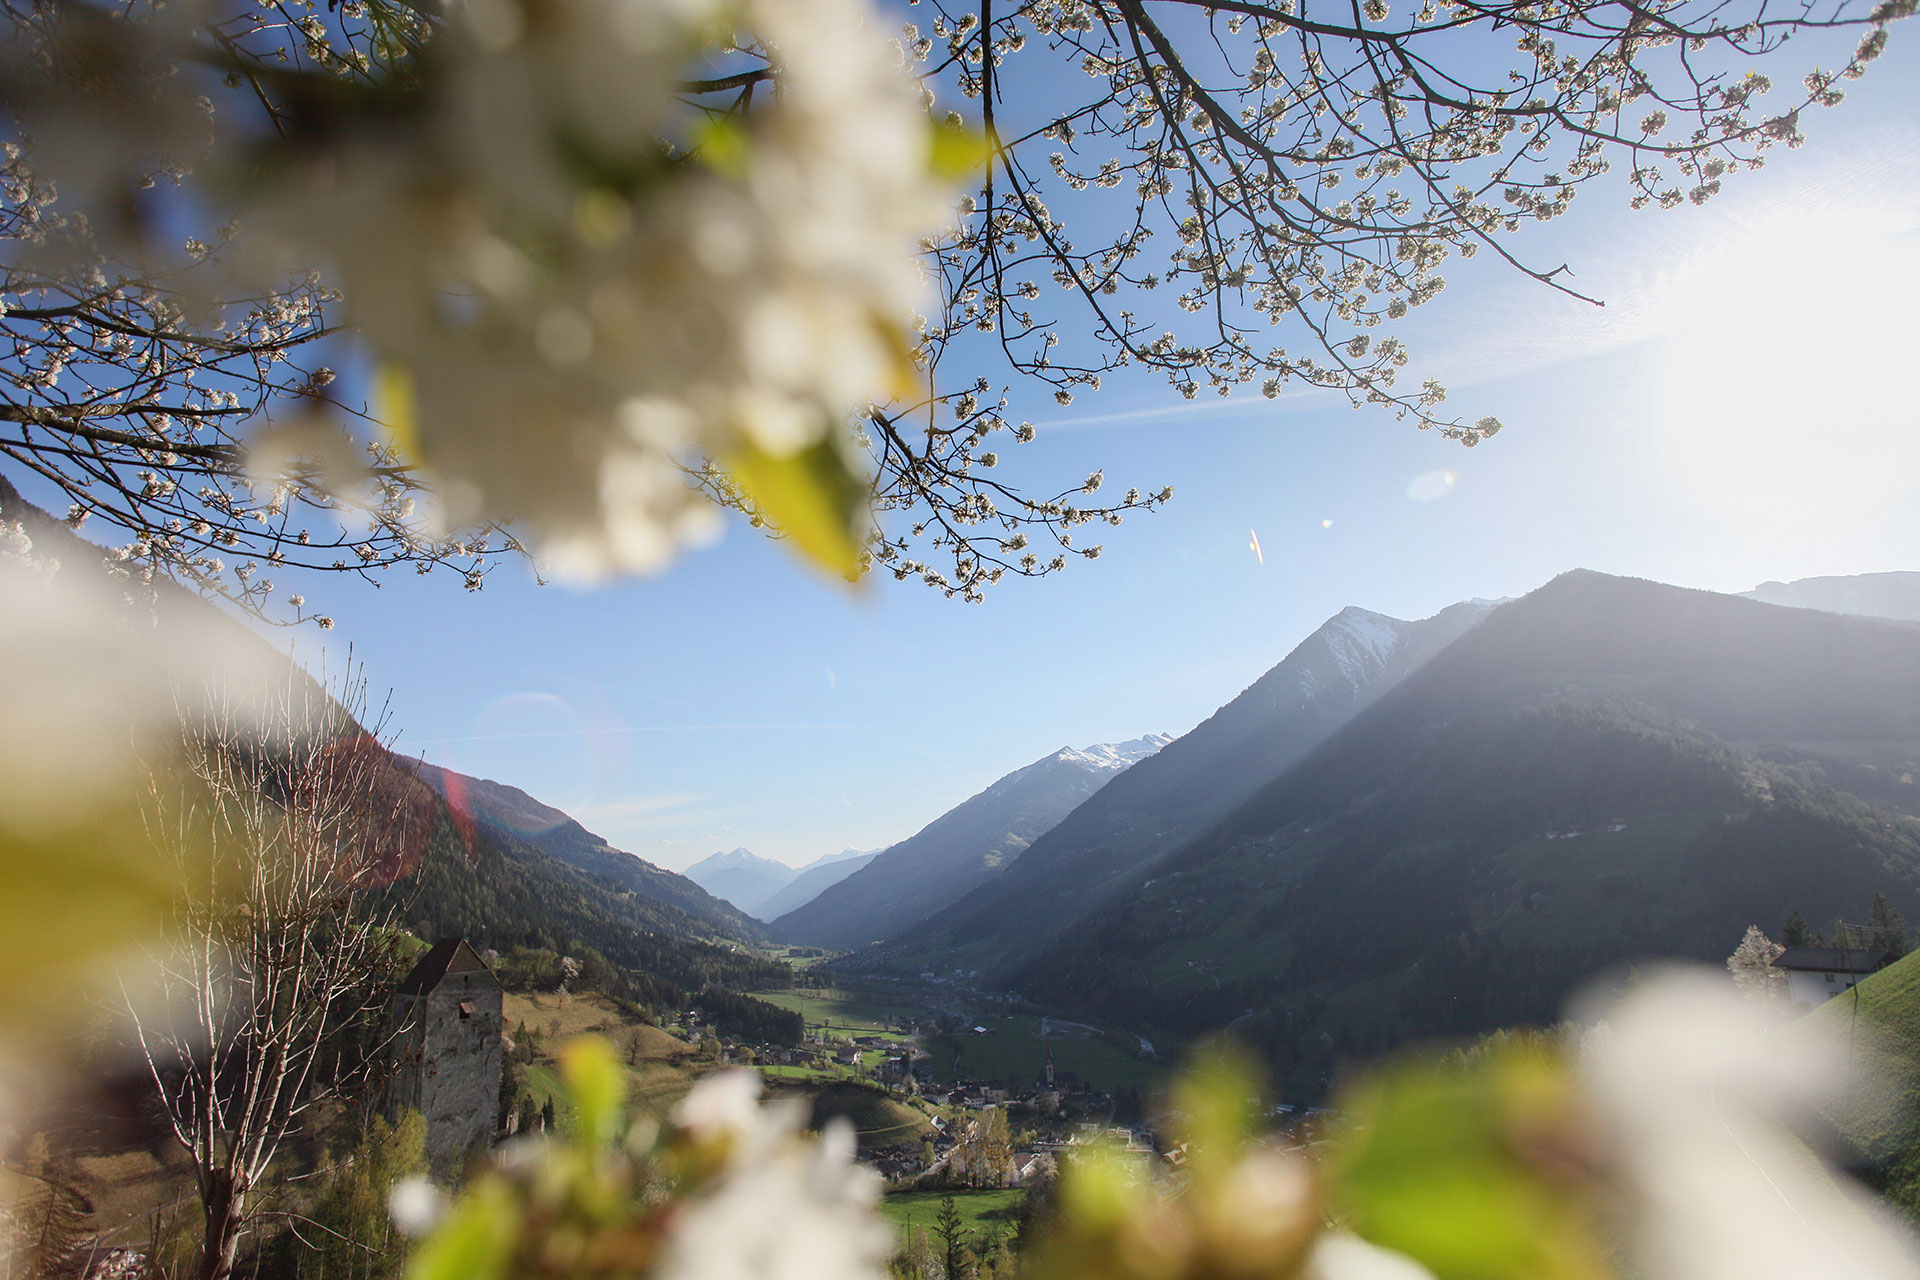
x: 1236, y: 170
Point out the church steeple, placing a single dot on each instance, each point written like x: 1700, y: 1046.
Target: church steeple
x: 1049, y: 1064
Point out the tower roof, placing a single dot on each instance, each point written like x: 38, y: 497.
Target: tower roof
x: 449, y: 955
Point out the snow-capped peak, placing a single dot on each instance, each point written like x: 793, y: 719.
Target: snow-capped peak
x: 1115, y: 756
x: 734, y: 858
x: 1360, y: 640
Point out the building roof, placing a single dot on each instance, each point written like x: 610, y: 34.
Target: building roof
x: 1832, y: 959
x: 449, y: 955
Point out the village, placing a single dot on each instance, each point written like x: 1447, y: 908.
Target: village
x: 950, y: 1090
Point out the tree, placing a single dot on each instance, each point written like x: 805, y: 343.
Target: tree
x: 287, y: 821
x: 953, y: 1242
x: 1796, y: 932
x: 1751, y: 965
x: 350, y: 1235
x: 579, y: 342
x: 1886, y: 928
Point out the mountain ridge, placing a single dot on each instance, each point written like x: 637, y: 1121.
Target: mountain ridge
x: 1150, y: 810
x: 964, y: 847
x: 502, y: 808
x: 1575, y: 783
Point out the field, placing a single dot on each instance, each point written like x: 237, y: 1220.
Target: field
x: 1012, y: 1052
x: 660, y: 1068
x: 561, y: 1017
x: 847, y: 1011
x: 878, y: 1120
x: 980, y: 1211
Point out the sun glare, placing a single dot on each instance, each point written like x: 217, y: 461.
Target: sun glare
x: 1782, y: 385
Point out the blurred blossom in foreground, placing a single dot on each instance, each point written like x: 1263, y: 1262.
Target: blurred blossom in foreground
x: 93, y: 683
x: 1695, y: 1088
x: 727, y: 1190
x: 1658, y: 1143
x: 581, y: 285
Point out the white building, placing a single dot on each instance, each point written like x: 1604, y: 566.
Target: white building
x: 1816, y: 975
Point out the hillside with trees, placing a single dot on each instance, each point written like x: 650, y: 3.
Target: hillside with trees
x: 1573, y: 785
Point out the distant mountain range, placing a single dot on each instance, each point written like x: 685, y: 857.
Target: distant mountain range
x: 1876, y: 595
x: 741, y: 876
x: 966, y: 847
x: 814, y: 879
x: 1402, y: 829
x: 764, y: 888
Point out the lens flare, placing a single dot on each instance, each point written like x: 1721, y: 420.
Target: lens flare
x: 1434, y: 485
x: 545, y: 745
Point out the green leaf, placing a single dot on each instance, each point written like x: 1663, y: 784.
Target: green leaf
x: 477, y: 1240
x: 722, y: 144
x: 1477, y: 1171
x: 813, y: 496
x: 79, y: 898
x: 1218, y: 1097
x: 955, y: 151
x: 396, y: 406
x: 597, y: 1087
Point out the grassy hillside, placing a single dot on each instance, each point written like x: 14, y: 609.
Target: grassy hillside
x: 1878, y: 1023
x: 981, y: 1212
x: 1012, y: 1054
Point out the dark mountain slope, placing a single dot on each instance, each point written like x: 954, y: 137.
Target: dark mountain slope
x: 508, y: 812
x: 479, y: 878
x: 1191, y: 784
x: 502, y: 892
x: 1570, y: 785
x: 965, y: 847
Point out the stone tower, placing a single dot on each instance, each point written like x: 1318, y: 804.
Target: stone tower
x: 447, y: 1016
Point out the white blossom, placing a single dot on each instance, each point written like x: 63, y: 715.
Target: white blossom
x: 786, y: 1207
x: 1693, y: 1087
x: 749, y: 290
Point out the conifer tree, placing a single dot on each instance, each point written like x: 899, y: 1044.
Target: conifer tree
x: 952, y: 1239
x: 1886, y: 927
x: 1796, y: 932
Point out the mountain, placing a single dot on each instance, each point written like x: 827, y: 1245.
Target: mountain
x: 814, y: 879
x: 1603, y: 771
x: 742, y: 877
x: 1155, y: 807
x: 504, y: 810
x: 480, y: 875
x: 965, y: 847
x: 1877, y: 595
x: 498, y: 890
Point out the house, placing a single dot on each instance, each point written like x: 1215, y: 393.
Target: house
x: 1816, y: 975
x: 447, y: 1016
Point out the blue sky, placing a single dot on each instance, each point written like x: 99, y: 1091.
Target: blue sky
x: 1742, y: 410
